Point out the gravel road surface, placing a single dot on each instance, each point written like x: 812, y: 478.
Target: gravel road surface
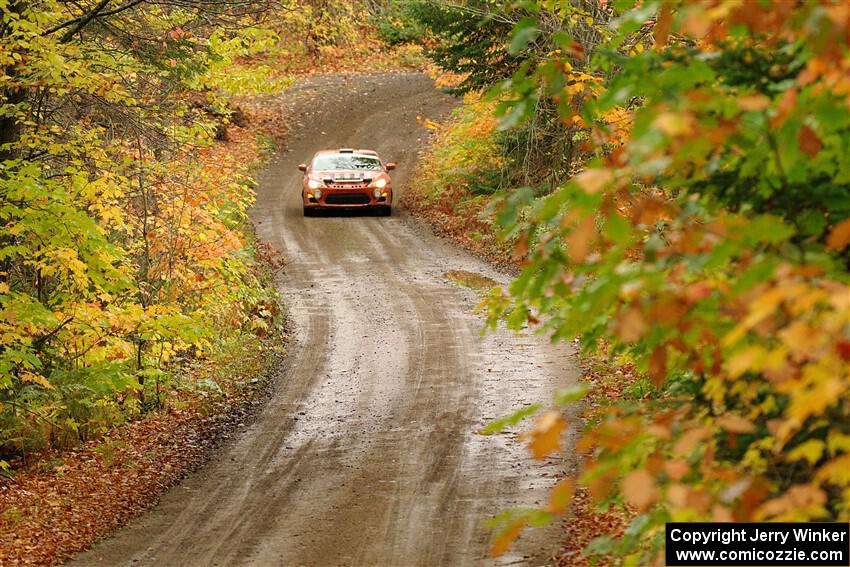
x: 366, y: 453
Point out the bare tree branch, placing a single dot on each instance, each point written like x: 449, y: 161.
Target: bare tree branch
x: 83, y: 21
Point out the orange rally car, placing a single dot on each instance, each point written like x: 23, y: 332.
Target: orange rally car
x: 347, y: 178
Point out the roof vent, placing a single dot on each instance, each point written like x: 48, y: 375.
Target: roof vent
x: 346, y: 151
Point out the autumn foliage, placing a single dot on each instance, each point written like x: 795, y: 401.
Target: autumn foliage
x: 704, y: 243
x: 709, y: 245
x: 129, y: 134
x: 124, y: 250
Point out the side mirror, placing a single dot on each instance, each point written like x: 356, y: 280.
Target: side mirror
x: 302, y: 167
x: 391, y: 166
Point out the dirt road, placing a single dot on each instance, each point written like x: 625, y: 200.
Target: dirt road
x: 367, y: 453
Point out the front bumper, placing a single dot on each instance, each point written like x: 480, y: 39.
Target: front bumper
x: 350, y: 197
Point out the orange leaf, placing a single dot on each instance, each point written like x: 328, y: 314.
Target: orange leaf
x: 786, y: 106
x: 580, y: 239
x: 843, y: 348
x: 560, y: 497
x: 735, y: 423
x: 600, y: 487
x: 593, y: 180
x: 809, y: 142
x: 639, y: 489
x: 663, y: 25
x: 546, y: 435
x: 753, y: 103
x: 520, y: 248
x: 839, y: 237
x: 796, y: 499
x: 676, y: 469
x: 658, y: 365
x: 689, y: 441
x: 630, y: 325
x: 507, y: 537
x: 696, y: 24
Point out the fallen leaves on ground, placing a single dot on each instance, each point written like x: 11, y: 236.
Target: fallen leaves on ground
x: 63, y: 502
x: 581, y: 526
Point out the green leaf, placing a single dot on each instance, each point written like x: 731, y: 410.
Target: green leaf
x: 571, y: 394
x: 498, y: 425
x: 525, y: 32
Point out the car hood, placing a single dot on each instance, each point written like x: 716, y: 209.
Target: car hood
x: 347, y: 174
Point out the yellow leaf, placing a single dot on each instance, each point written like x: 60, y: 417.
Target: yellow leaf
x: 37, y: 379
x: 673, y: 123
x: 546, y: 435
x: 803, y: 340
x: 824, y: 389
x: 838, y: 442
x: 836, y: 471
x: 746, y: 359
x: 639, y: 489
x: 4, y: 287
x: 811, y: 451
x: 763, y: 306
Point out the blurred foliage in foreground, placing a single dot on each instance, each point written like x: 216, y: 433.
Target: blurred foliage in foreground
x: 701, y: 233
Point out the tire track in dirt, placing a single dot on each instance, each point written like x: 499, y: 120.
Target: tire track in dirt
x: 367, y: 453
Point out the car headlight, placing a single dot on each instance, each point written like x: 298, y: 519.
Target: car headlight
x: 314, y: 184
x: 376, y: 192
x: 317, y: 194
x: 379, y: 183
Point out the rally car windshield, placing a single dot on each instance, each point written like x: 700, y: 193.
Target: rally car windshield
x: 345, y: 161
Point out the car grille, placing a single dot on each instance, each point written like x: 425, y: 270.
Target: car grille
x: 347, y: 199
x: 347, y: 185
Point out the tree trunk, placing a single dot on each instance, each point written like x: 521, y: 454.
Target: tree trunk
x: 10, y: 130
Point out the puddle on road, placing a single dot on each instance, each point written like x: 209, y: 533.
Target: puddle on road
x: 470, y: 280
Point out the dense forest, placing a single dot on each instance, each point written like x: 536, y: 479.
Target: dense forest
x: 669, y: 181
x: 126, y: 252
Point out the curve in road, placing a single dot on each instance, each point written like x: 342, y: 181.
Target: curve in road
x: 366, y: 453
